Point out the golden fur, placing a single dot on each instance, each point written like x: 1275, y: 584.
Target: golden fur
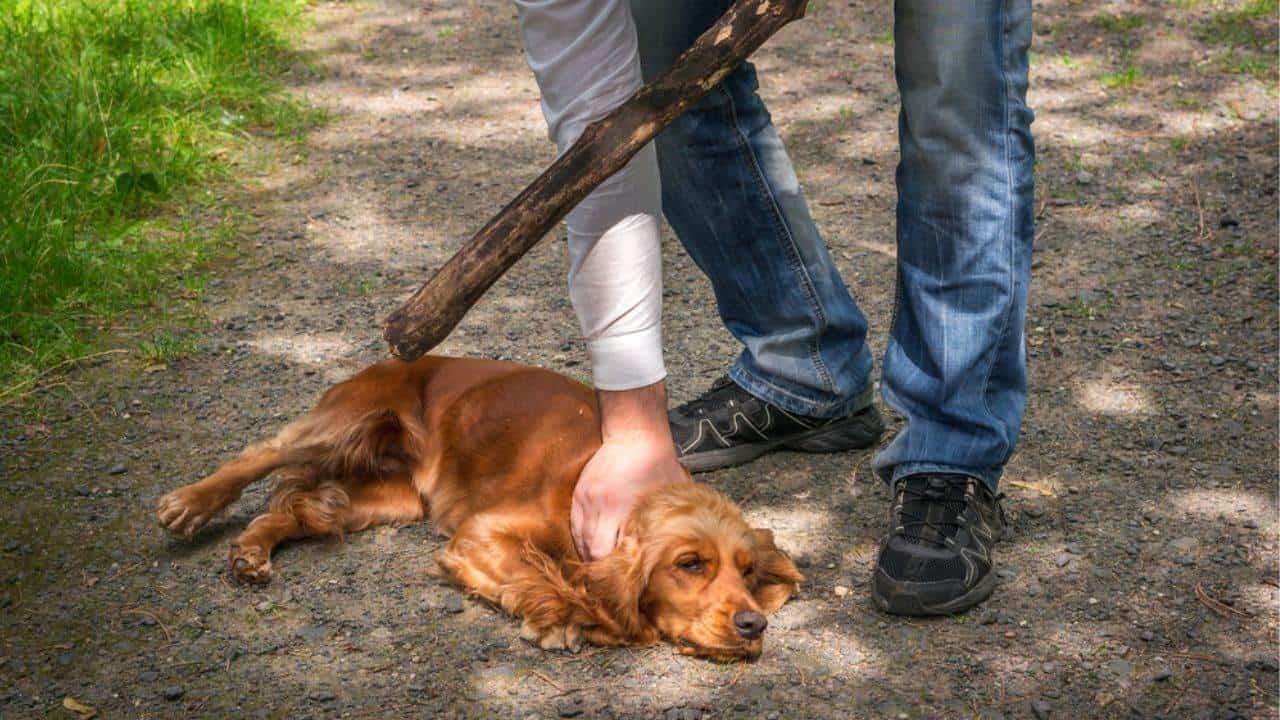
x: 490, y: 452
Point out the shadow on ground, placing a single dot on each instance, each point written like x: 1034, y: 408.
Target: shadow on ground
x: 1140, y: 579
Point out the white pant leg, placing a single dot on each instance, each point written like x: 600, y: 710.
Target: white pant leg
x: 585, y: 58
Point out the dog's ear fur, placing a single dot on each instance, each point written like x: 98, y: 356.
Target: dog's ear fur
x: 616, y: 583
x: 777, y: 578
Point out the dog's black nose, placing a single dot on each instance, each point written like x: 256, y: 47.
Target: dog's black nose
x: 750, y: 623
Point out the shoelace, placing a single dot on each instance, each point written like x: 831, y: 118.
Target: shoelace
x: 928, y: 495
x: 695, y: 404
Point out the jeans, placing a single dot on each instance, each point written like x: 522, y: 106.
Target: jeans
x: 955, y: 364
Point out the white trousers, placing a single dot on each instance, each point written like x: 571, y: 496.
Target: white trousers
x: 585, y: 58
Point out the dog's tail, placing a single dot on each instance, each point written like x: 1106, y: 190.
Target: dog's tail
x: 378, y: 443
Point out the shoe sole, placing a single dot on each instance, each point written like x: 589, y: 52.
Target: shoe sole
x: 858, y: 431
x: 897, y: 597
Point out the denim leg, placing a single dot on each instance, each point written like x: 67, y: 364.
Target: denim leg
x: 732, y: 197
x: 955, y: 365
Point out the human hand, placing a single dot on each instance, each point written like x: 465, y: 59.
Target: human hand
x: 611, y: 484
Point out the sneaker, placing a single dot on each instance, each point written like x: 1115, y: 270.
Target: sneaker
x: 937, y: 557
x: 728, y: 426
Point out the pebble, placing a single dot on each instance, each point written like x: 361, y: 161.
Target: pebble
x: 264, y: 606
x: 1120, y: 668
x: 11, y: 546
x: 841, y: 591
x: 1147, y: 635
x: 1041, y: 709
x: 1161, y: 675
x: 684, y: 713
x: 173, y: 693
x: 148, y: 676
x: 568, y: 708
x: 988, y: 617
x: 453, y: 604
x: 118, y: 469
x: 323, y: 696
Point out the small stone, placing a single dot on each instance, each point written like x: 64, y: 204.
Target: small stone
x: 12, y: 546
x: 82, y: 491
x: 1033, y: 589
x: 264, y: 606
x: 841, y: 591
x: 1041, y: 709
x: 173, y: 693
x: 988, y: 617
x: 323, y: 696
x: 453, y: 604
x: 1120, y: 668
x: 1161, y: 675
x: 118, y: 469
x: 148, y: 676
x: 1251, y: 524
x: 1062, y: 559
x: 1084, y: 177
x: 569, y: 708
x: 1147, y: 635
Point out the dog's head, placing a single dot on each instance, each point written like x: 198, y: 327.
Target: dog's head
x: 689, y: 568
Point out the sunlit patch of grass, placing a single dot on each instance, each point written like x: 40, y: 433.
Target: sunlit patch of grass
x: 1126, y: 78
x: 166, y: 347
x: 111, y: 113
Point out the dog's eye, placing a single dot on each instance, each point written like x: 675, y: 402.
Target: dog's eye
x: 748, y: 571
x: 691, y: 564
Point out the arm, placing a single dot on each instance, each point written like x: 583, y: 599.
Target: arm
x: 585, y: 58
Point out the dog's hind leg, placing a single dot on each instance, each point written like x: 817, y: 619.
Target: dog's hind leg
x: 187, y: 509
x: 328, y: 509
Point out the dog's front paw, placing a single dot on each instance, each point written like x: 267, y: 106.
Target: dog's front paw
x: 184, y: 511
x: 250, y: 564
x: 558, y: 637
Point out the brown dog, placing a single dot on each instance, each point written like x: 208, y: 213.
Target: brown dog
x: 490, y: 452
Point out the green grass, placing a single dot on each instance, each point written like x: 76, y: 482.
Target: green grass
x: 112, y: 113
x: 1252, y: 25
x: 1126, y: 78
x: 1119, y: 24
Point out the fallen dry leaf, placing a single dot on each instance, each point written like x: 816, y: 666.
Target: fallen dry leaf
x: 84, y: 711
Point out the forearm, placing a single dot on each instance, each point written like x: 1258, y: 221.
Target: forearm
x: 586, y: 60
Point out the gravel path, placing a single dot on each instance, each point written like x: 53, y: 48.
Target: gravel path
x: 1141, y: 579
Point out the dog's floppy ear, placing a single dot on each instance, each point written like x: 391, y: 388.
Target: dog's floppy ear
x: 616, y: 582
x: 777, y: 578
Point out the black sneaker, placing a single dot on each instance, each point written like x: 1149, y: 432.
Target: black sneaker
x: 937, y: 558
x: 728, y: 426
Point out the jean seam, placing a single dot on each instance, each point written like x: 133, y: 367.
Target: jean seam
x: 797, y: 263
x: 817, y: 406
x: 1009, y: 223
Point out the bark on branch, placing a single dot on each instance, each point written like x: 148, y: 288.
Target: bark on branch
x: 602, y: 150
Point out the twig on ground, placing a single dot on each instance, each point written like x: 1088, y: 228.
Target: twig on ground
x: 33, y: 384
x: 168, y: 636
x: 545, y: 678
x: 1218, y: 606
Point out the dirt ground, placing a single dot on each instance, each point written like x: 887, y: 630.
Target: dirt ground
x: 1141, y: 576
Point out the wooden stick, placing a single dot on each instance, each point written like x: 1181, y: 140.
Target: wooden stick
x: 602, y: 150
